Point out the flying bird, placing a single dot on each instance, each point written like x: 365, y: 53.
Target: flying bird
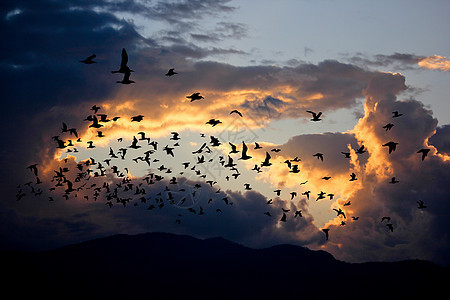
x: 353, y: 177
x: 33, y: 168
x: 137, y: 118
x: 171, y: 72
x: 347, y: 154
x: 123, y: 64
x: 213, y: 122
x: 388, y: 126
x: 339, y: 212
x: 421, y: 204
x: 360, y: 150
x: 319, y: 156
x: 283, y: 218
x: 236, y: 112
x: 89, y: 60
x: 325, y: 230
x: 257, y: 146
x: 392, y: 146
x: 315, y: 116
x: 195, y: 96
x: 396, y: 114
x: 386, y: 218
x: 393, y: 180
x: 424, y: 152
x: 266, y: 162
x: 244, y: 152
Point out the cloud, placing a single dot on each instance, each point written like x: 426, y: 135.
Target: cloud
x: 435, y: 62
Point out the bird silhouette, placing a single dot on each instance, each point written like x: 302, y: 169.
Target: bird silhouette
x: 388, y: 126
x: 396, y: 114
x: 278, y: 192
x: 213, y: 122
x: 244, y: 152
x: 392, y: 146
x: 236, y: 112
x: 283, y: 218
x: 353, y: 177
x: 257, y: 146
x: 306, y: 194
x: 421, y: 204
x: 393, y: 180
x: 171, y: 72
x: 339, y: 212
x: 326, y: 230
x: 319, y: 156
x: 360, y: 150
x: 386, y: 218
x: 268, y: 214
x: 294, y: 169
x: 424, y: 152
x: 315, y: 116
x: 137, y: 118
x: 134, y: 144
x: 298, y: 213
x: 247, y: 186
x: 89, y: 60
x: 195, y: 96
x: 326, y: 177
x: 123, y: 64
x: 293, y: 194
x: 266, y: 162
x: 347, y: 154
x: 95, y: 123
x: 321, y: 195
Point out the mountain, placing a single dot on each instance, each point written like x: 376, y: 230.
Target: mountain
x: 169, y: 266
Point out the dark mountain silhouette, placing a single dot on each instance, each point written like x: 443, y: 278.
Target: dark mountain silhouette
x: 169, y: 266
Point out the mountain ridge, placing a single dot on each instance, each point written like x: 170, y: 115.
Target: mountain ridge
x: 169, y: 266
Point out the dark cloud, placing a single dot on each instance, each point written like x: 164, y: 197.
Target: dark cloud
x: 441, y: 139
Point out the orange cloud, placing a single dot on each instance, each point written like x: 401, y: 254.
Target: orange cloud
x: 435, y: 62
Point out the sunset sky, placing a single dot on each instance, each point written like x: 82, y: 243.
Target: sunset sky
x: 355, y: 61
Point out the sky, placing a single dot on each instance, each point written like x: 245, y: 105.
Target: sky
x: 356, y: 62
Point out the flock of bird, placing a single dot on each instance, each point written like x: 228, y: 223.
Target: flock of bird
x: 185, y: 194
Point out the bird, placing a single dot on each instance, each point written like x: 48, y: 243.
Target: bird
x: 298, y: 213
x: 293, y: 194
x: 347, y: 203
x: 353, y: 177
x: 175, y: 136
x: 393, y: 180
x: 315, y: 116
x: 95, y: 123
x: 257, y: 146
x: 355, y: 218
x: 421, y: 204
x: 236, y: 112
x: 319, y: 156
x: 396, y: 114
x: 321, y: 195
x: 137, y: 118
x: 326, y: 177
x: 244, y: 152
x: 388, y: 126
x: 123, y: 64
x: 195, y: 96
x: 247, y: 186
x: 268, y: 214
x: 347, y: 154
x: 278, y: 192
x: 306, y: 194
x: 233, y: 148
x: 266, y: 162
x: 171, y: 72
x: 360, y: 150
x: 283, y: 218
x: 339, y: 212
x: 294, y: 169
x: 386, y: 218
x: 276, y: 150
x: 134, y: 144
x: 213, y: 122
x: 392, y: 146
x: 89, y: 60
x: 424, y: 152
x: 325, y: 230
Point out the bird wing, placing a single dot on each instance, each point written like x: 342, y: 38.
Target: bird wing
x: 124, y: 60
